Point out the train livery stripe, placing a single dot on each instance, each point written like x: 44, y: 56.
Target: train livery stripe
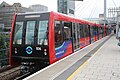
x: 60, y: 51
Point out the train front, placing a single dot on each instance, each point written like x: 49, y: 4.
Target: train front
x: 29, y: 41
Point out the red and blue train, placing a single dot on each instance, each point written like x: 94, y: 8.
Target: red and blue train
x: 44, y: 38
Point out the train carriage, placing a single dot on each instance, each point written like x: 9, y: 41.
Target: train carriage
x: 44, y: 38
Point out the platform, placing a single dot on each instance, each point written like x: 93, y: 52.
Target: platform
x: 98, y: 61
x: 104, y: 65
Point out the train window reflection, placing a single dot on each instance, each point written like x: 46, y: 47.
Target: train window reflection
x: 18, y: 33
x: 29, y: 39
x: 82, y: 33
x: 58, y: 34
x: 67, y: 31
x: 42, y: 33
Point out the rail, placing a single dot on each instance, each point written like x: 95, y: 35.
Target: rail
x: 10, y: 74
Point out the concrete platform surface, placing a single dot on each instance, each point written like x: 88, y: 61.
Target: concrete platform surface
x: 83, y: 72
x: 104, y: 65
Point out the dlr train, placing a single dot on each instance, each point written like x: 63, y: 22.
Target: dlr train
x: 43, y: 38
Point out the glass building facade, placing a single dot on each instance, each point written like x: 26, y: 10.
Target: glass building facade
x: 7, y: 14
x: 66, y: 7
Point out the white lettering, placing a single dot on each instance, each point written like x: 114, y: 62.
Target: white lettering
x: 60, y: 52
x: 32, y: 16
x: 38, y: 48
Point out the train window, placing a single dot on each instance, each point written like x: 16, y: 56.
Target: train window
x: 81, y: 31
x: 92, y: 31
x: 86, y: 31
x: 58, y: 33
x: 29, y: 39
x: 42, y: 33
x: 100, y: 30
x: 18, y: 33
x: 67, y: 31
x: 95, y: 30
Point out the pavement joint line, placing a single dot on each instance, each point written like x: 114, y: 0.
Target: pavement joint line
x: 86, y: 62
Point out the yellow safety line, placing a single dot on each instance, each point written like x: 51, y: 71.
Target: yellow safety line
x: 83, y: 65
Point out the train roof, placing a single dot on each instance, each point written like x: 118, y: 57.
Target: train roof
x: 63, y: 16
x: 28, y: 13
x: 74, y: 19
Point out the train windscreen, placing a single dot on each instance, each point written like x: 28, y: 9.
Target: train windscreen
x: 30, y: 36
x: 42, y: 33
x: 18, y: 33
x: 31, y: 32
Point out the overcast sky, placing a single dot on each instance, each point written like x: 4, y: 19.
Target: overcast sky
x: 84, y: 9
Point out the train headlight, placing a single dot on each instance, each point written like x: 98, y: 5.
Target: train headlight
x: 15, y: 50
x: 45, y: 50
x: 45, y: 53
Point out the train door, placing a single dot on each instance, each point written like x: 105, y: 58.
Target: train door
x: 85, y: 35
x: 62, y: 37
x: 82, y: 35
x: 92, y: 34
x: 97, y: 34
x: 88, y: 41
x: 100, y: 32
x: 89, y: 34
x: 75, y: 36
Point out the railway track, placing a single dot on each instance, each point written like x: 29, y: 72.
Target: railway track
x: 5, y: 68
x: 10, y: 74
x: 22, y: 76
x: 13, y: 74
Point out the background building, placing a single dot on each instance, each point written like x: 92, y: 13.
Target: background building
x: 99, y: 20
x: 66, y: 7
x: 7, y: 12
x: 39, y: 8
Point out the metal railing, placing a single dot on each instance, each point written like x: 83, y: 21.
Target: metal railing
x: 4, y: 57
